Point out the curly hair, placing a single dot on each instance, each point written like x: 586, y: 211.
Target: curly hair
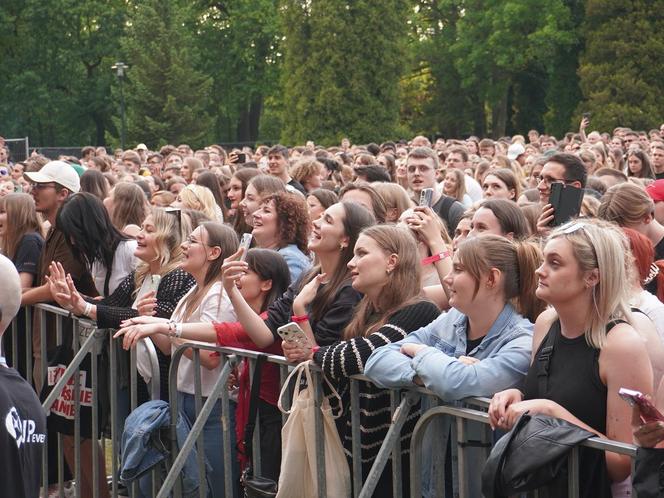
x: 292, y: 219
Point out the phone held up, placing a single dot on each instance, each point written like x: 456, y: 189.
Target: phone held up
x: 292, y: 332
x: 426, y: 196
x: 647, y: 410
x: 245, y: 243
x: 566, y: 202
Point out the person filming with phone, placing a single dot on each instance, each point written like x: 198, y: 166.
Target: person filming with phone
x: 565, y: 169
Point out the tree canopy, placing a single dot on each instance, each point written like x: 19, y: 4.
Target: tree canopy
x: 207, y: 71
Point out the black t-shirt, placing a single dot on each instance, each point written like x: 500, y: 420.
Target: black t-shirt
x: 659, y: 176
x: 659, y: 250
x: 28, y: 253
x: 297, y: 185
x: 22, y: 436
x: 450, y: 211
x: 473, y: 343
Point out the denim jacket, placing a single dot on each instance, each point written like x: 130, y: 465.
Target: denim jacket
x: 504, y: 353
x: 141, y: 449
x: 504, y: 356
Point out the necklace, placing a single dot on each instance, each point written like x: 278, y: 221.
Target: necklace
x: 654, y: 271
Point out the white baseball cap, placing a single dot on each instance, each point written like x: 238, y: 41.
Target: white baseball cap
x: 515, y: 150
x: 57, y: 172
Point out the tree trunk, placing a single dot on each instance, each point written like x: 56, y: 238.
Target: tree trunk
x: 499, y: 114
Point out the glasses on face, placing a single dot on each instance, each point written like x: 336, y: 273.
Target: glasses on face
x: 190, y: 240
x: 422, y: 168
x: 43, y: 186
x: 550, y: 180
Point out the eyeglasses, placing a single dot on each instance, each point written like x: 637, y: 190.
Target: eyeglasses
x: 549, y: 180
x: 190, y: 240
x: 421, y: 167
x: 43, y: 186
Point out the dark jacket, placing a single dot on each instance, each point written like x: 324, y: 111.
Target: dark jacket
x: 648, y: 479
x: 533, y: 454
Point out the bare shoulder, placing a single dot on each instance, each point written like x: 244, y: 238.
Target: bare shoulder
x: 542, y: 326
x: 623, y: 344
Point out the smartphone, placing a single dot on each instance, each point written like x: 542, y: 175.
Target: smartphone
x: 241, y: 158
x: 151, y: 283
x: 426, y: 196
x: 586, y: 115
x: 245, y: 242
x: 292, y: 332
x: 566, y: 202
x: 647, y: 410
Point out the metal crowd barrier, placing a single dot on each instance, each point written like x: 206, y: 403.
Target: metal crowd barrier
x: 89, y: 341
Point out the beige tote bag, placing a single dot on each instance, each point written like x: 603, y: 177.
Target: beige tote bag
x: 298, y: 476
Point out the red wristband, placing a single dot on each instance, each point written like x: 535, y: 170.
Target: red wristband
x: 315, y: 349
x: 299, y: 318
x: 435, y: 258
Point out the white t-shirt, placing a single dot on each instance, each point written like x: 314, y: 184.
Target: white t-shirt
x: 473, y: 189
x: 124, y: 262
x: 652, y: 307
x: 215, y: 307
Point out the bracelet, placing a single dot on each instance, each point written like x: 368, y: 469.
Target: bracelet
x: 171, y: 328
x: 178, y: 330
x: 87, y: 310
x: 299, y: 318
x: 435, y: 258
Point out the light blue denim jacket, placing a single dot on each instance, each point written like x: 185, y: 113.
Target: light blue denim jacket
x: 504, y: 353
x: 504, y: 356
x: 296, y: 260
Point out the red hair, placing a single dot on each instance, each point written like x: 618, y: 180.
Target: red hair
x: 644, y: 255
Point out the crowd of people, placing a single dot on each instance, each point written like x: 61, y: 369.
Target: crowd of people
x: 466, y: 293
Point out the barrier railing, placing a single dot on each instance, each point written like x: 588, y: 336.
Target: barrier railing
x: 89, y: 342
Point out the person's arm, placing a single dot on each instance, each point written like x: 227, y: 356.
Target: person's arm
x: 346, y: 358
x: 623, y: 347
x: 452, y: 379
x: 388, y: 367
x: 41, y: 294
x: 171, y: 289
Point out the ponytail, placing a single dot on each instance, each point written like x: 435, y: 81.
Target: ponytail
x: 529, y: 258
x: 517, y: 262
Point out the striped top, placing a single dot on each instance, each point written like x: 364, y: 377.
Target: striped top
x: 345, y: 358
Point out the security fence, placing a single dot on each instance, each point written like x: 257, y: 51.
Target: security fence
x: 90, y: 385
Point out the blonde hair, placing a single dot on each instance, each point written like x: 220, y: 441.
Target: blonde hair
x: 199, y: 198
x: 600, y: 245
x: 626, y: 204
x: 305, y: 168
x: 517, y: 262
x: 171, y: 228
x: 403, y: 287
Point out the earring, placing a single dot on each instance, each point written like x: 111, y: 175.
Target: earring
x: 388, y: 271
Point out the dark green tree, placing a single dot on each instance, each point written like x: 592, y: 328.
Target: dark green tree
x: 55, y: 76
x: 167, y: 98
x: 238, y: 42
x: 342, y: 65
x: 621, y: 68
x: 498, y: 40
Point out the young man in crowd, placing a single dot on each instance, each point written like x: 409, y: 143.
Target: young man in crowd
x: 422, y: 166
x: 51, y: 186
x: 560, y: 168
x: 277, y: 163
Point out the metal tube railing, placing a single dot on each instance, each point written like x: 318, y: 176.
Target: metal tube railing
x: 88, y: 343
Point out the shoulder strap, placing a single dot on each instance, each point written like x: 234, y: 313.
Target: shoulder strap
x: 253, y: 408
x: 544, y: 359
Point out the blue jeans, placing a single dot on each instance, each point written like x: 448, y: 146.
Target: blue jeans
x: 213, y: 444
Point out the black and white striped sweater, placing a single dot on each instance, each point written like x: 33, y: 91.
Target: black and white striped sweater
x: 345, y: 358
